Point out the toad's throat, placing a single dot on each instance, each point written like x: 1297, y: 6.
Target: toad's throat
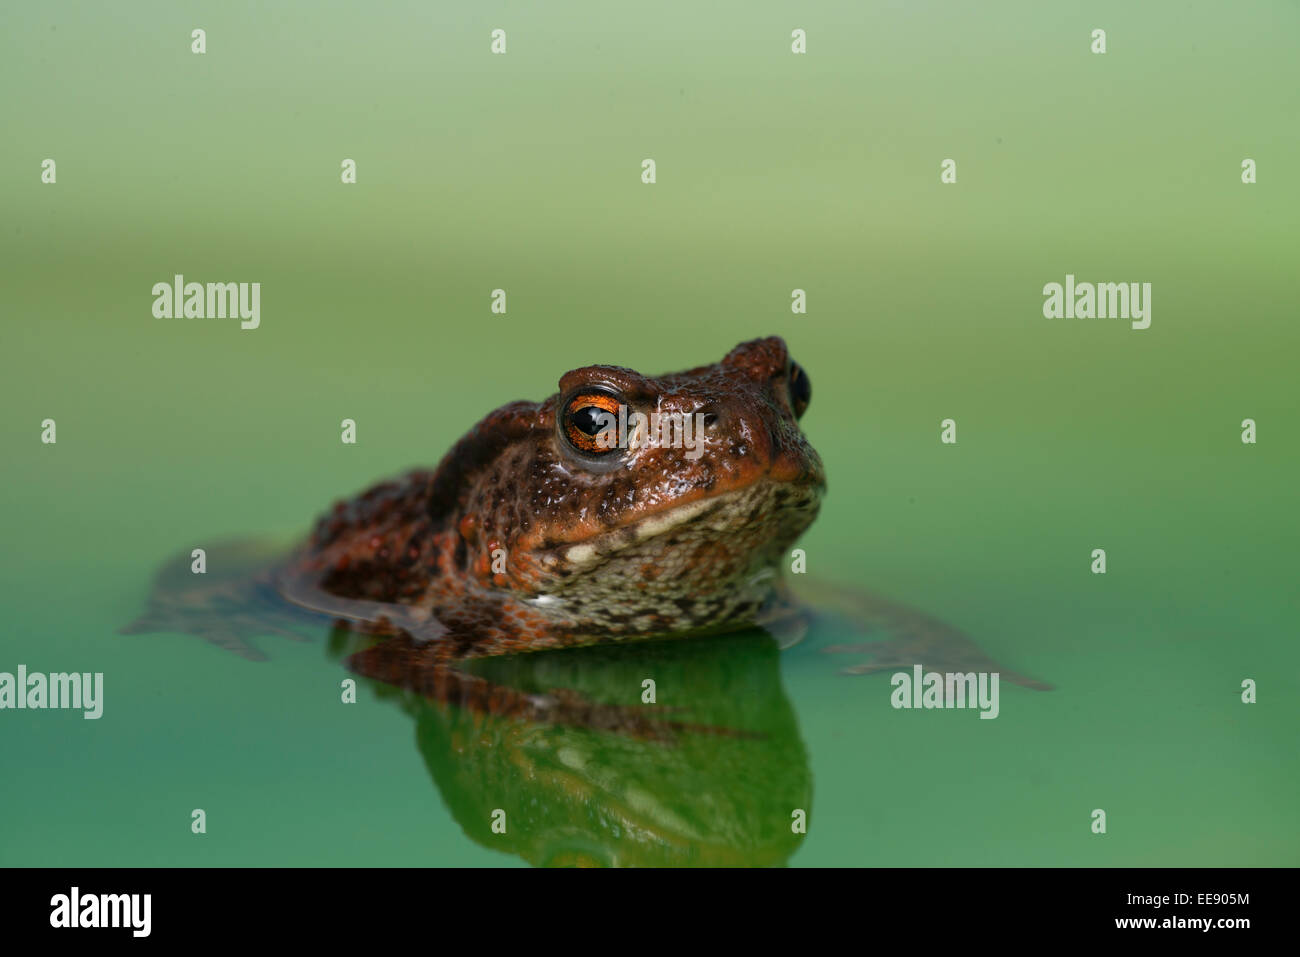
x: 703, y: 565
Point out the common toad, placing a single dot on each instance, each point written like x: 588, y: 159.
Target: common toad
x: 552, y: 524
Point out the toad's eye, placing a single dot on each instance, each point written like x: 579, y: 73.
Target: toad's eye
x: 590, y: 423
x: 800, y: 389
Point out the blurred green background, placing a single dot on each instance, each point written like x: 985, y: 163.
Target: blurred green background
x: 775, y: 172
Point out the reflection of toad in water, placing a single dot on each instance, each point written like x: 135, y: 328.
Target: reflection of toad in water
x: 586, y: 774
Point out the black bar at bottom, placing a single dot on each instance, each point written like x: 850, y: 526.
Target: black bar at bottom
x: 338, y: 907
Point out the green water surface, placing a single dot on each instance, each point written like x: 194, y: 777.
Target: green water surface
x: 775, y: 172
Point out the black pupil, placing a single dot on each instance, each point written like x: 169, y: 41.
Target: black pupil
x: 588, y: 419
x: 800, y: 387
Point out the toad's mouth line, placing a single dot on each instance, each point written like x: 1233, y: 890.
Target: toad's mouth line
x: 588, y: 553
x: 582, y: 555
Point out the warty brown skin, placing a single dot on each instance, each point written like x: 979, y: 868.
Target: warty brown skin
x: 521, y: 540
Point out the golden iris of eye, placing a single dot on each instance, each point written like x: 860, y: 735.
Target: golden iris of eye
x: 584, y: 419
